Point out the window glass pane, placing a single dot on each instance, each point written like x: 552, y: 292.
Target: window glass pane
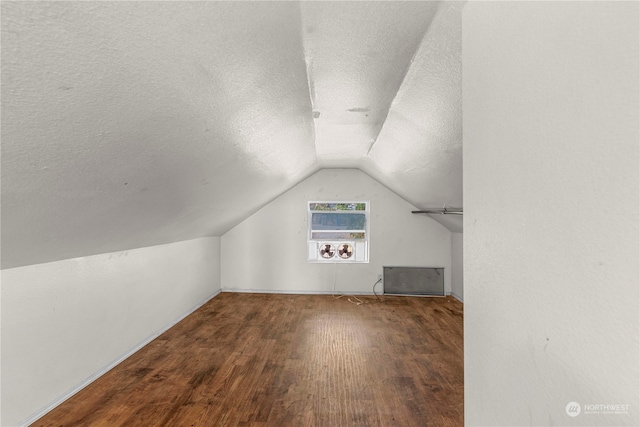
x: 338, y: 221
x: 336, y: 235
x: 337, y: 206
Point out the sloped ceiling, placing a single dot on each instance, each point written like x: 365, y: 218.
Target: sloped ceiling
x: 131, y: 124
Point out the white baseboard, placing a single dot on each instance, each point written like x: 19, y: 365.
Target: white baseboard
x: 305, y: 292
x: 294, y: 292
x: 42, y: 412
x: 459, y: 298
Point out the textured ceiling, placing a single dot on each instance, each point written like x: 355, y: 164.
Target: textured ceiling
x: 130, y: 124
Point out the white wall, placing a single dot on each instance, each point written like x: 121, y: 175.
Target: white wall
x: 551, y: 211
x: 65, y: 322
x: 268, y: 251
x: 457, y: 266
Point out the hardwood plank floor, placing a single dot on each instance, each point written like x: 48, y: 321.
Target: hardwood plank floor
x: 288, y: 360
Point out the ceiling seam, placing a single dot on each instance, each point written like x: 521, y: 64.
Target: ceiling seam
x: 310, y: 85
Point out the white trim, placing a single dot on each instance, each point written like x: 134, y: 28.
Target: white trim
x: 456, y: 297
x: 413, y: 295
x: 300, y: 292
x: 47, y: 408
x: 294, y: 292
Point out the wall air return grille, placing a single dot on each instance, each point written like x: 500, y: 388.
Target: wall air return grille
x: 425, y: 281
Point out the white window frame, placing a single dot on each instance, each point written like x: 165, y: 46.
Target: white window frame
x: 361, y: 246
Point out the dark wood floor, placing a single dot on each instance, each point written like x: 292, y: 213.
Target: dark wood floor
x: 288, y: 360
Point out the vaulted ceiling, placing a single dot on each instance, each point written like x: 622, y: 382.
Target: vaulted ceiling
x: 130, y: 124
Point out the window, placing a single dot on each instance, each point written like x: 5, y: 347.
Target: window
x: 338, y: 231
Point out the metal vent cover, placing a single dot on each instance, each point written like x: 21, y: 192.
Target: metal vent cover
x: 428, y: 281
